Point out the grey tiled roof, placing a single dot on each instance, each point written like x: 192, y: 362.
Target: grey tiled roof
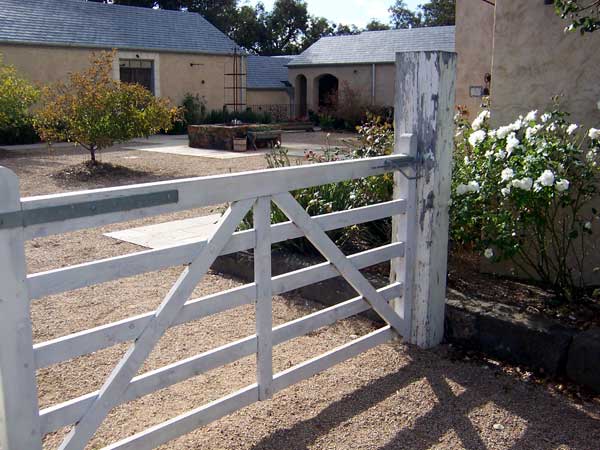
x: 267, y: 72
x: 375, y: 46
x: 87, y: 24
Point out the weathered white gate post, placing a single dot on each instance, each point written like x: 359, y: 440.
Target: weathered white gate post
x: 19, y: 414
x: 424, y: 110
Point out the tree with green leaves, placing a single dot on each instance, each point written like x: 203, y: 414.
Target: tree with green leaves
x: 96, y: 111
x: 437, y: 13
x: 434, y: 13
x: 287, y: 23
x: 376, y: 25
x: 343, y: 30
x: 403, y: 16
x: 17, y: 95
x: 583, y: 15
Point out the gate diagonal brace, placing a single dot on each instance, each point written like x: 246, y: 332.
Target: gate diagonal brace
x: 117, y: 382
x: 315, y: 234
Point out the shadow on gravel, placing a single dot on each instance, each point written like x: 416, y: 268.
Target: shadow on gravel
x: 551, y: 421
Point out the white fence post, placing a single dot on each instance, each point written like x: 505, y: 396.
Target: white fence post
x: 264, y: 297
x: 424, y: 108
x: 19, y: 412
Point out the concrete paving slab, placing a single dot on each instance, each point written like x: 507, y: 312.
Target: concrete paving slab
x: 189, y: 151
x: 169, y: 233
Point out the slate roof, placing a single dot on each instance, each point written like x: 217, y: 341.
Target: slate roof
x: 375, y: 46
x: 79, y: 23
x: 267, y: 72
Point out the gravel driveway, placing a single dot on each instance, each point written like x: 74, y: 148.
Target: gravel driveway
x: 393, y: 397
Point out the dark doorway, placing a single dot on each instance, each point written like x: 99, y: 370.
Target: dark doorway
x: 301, y: 96
x: 137, y: 71
x: 328, y: 91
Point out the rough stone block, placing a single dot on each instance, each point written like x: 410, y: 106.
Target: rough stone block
x: 583, y: 364
x: 504, y: 332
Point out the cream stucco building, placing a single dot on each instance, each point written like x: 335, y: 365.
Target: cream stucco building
x: 363, y: 62
x: 170, y: 52
x: 522, y: 44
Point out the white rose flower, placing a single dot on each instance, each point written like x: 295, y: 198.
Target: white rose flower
x: 502, y: 132
x: 467, y: 161
x: 588, y: 225
x: 479, y: 121
x: 546, y: 178
x: 516, y: 125
x: 461, y: 189
x: 507, y: 174
x: 492, y: 133
x: 488, y: 253
x: 511, y: 143
x: 571, y: 129
x: 532, y: 131
x: 552, y: 127
x: 524, y: 183
x: 489, y: 154
x: 473, y: 186
x: 546, y: 117
x: 477, y: 138
x: 505, y: 191
x: 562, y: 185
x: 531, y: 116
x: 501, y: 154
x: 594, y: 133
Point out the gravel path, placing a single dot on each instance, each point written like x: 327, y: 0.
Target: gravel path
x: 392, y: 397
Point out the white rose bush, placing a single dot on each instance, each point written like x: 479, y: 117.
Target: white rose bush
x: 524, y: 192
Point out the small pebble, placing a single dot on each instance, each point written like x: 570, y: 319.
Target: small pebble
x: 498, y: 426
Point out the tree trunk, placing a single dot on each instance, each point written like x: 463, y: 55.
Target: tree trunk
x: 93, y: 154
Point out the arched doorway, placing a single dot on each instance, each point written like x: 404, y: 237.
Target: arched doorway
x: 328, y: 86
x: 301, y: 96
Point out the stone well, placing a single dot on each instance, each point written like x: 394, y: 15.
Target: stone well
x: 218, y: 137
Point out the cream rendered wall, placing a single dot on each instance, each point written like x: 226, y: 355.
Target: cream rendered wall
x: 175, y: 76
x: 359, y: 77
x: 534, y: 59
x: 43, y: 65
x: 385, y: 82
x: 474, y: 46
x: 207, y: 79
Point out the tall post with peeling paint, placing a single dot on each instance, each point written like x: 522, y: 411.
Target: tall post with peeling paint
x: 424, y: 110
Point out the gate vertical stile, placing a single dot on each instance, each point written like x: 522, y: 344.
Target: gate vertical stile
x: 404, y: 230
x: 264, y: 296
x: 19, y: 417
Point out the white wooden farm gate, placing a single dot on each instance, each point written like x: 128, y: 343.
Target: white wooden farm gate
x: 412, y: 304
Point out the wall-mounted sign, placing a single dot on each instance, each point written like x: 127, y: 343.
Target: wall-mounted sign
x: 476, y: 91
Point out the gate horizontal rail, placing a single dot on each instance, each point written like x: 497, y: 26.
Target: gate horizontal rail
x: 100, y: 271
x: 411, y: 304
x: 191, y: 193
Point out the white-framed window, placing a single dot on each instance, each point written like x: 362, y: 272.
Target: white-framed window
x: 138, y: 67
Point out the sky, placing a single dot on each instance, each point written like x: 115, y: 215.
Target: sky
x: 357, y: 12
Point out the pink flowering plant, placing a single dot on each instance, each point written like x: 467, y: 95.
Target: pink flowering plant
x: 524, y: 192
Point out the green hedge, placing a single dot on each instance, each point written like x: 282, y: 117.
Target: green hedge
x: 21, y: 135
